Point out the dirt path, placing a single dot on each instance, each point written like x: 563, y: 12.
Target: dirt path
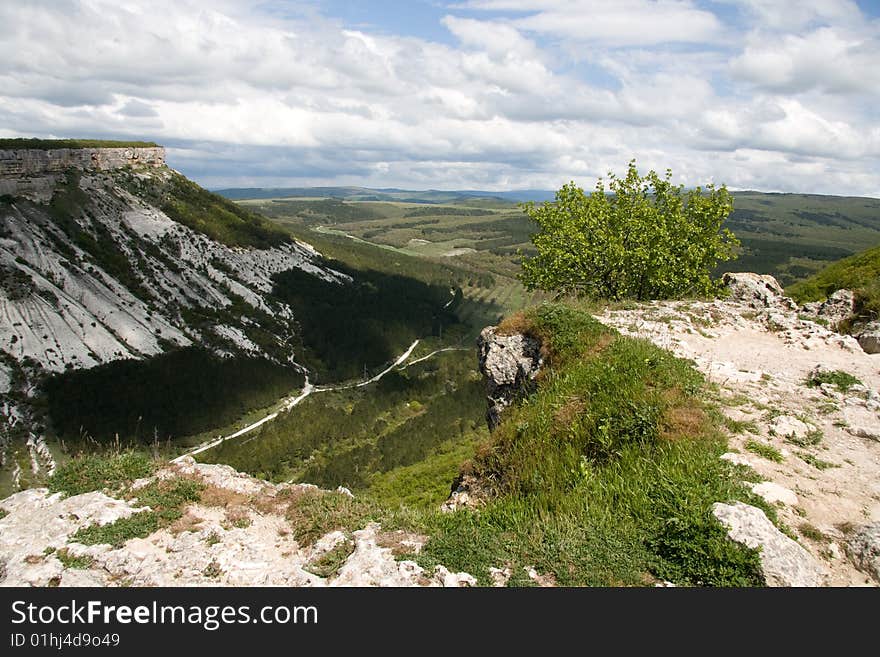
x: 761, y: 359
x: 308, y: 389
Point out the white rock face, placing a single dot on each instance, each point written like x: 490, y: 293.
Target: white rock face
x: 773, y: 493
x: 790, y: 427
x: 783, y: 561
x: 757, y: 290
x: 509, y: 364
x: 207, y: 550
x: 863, y: 547
x: 62, y: 307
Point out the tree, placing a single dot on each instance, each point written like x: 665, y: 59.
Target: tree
x: 645, y: 239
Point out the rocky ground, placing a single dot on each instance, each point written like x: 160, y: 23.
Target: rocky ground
x: 239, y: 537
x: 816, y: 446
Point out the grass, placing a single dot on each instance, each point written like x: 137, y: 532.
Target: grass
x: 740, y: 426
x: 592, y: 491
x: 166, y: 499
x: 90, y: 472
x: 3, y: 513
x: 329, y: 563
x: 816, y: 462
x: 813, y: 533
x: 764, y: 450
x: 69, y: 560
x: 843, y: 381
x: 859, y: 273
x: 813, y: 437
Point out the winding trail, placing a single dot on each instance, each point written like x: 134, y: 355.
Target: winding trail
x: 307, y: 390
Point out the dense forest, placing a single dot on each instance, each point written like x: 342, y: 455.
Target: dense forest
x: 175, y: 394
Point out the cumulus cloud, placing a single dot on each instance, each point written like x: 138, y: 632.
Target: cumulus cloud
x: 522, y: 94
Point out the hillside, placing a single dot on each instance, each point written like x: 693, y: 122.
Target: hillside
x: 745, y: 469
x: 134, y: 303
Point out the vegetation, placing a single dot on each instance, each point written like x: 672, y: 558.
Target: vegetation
x: 165, y: 498
x: 220, y: 219
x: 345, y: 328
x: 764, y: 450
x: 69, y: 560
x: 859, y: 273
x: 842, y: 380
x: 590, y: 490
x: 644, y: 238
x: 349, y: 437
x: 21, y: 143
x: 95, y: 471
x: 174, y: 394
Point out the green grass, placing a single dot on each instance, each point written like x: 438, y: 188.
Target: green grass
x: 69, y: 560
x: 90, y: 472
x: 816, y: 462
x: 166, y: 499
x: 860, y: 273
x: 51, y: 144
x: 740, y: 426
x: 592, y: 491
x: 842, y: 380
x: 763, y: 450
x: 3, y: 513
x: 329, y: 563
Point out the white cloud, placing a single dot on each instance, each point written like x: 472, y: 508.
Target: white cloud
x: 530, y: 94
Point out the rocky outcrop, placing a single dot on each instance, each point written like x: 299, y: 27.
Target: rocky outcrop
x: 863, y: 548
x: 868, y: 336
x: 756, y: 290
x: 30, y: 162
x: 836, y: 309
x: 239, y: 535
x: 783, y: 561
x: 510, y: 364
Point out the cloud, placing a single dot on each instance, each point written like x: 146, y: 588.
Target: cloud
x: 523, y: 94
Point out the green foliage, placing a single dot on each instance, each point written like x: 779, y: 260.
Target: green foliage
x: 69, y: 560
x: 175, y: 394
x: 764, y: 450
x: 218, y: 218
x: 365, y: 323
x: 647, y: 239
x: 21, y: 143
x: 166, y: 499
x: 590, y: 491
x: 843, y: 380
x: 329, y: 563
x: 89, y: 472
x: 346, y: 437
x: 860, y: 273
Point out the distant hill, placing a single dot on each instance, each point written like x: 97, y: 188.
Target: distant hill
x: 385, y: 194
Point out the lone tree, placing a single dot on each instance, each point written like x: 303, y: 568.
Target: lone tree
x: 646, y: 239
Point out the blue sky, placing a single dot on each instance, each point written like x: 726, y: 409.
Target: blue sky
x: 775, y: 95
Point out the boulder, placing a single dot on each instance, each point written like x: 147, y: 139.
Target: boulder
x: 868, y: 336
x: 783, y: 561
x: 863, y: 549
x: 835, y: 309
x: 510, y: 364
x: 757, y: 290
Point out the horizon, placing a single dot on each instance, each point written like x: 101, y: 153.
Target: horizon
x: 777, y: 97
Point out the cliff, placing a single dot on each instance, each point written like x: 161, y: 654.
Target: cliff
x: 30, y: 162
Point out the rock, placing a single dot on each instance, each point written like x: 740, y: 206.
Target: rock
x: 468, y: 492
x: 500, y: 576
x: 773, y: 493
x: 510, y: 364
x: 868, y: 337
x: 862, y: 431
x: 863, y: 549
x: 789, y: 426
x: 783, y: 561
x: 834, y: 310
x: 736, y: 459
x: 757, y: 290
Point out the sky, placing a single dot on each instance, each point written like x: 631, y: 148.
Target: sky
x: 772, y: 95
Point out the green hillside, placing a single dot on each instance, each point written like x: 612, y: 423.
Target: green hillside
x: 860, y: 273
